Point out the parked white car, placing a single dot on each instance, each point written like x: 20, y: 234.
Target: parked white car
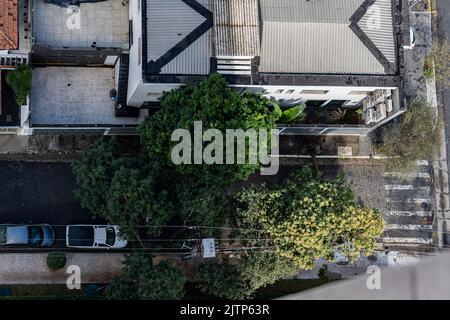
x: 94, y: 236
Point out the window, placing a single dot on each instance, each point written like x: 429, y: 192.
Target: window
x: 130, y: 27
x: 315, y: 103
x: 139, y: 51
x: 290, y: 91
x: 110, y: 236
x: 35, y: 235
x: 335, y: 103
x: 315, y: 91
x: 278, y: 91
x: 359, y: 93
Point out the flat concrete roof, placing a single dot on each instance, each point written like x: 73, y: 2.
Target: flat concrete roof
x: 104, y: 22
x: 75, y: 96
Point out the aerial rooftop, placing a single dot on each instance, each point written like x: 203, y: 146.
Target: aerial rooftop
x: 289, y: 36
x: 105, y: 23
x: 9, y: 26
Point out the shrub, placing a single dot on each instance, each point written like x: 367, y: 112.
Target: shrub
x: 440, y: 55
x: 417, y: 137
x: 428, y: 68
x: 20, y: 81
x: 56, y: 260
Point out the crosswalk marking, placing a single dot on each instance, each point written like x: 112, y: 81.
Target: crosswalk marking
x: 409, y: 213
x: 409, y: 200
x: 399, y: 187
x: 420, y: 227
x: 407, y: 240
x: 423, y: 175
x: 406, y: 187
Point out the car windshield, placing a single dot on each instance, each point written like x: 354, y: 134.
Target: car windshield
x: 110, y: 236
x: 35, y: 235
x: 2, y: 235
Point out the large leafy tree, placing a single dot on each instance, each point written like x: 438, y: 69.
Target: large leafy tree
x: 134, y: 202
x: 94, y: 173
x: 141, y: 280
x: 239, y: 278
x: 307, y: 218
x: 222, y: 280
x: 121, y: 190
x: 417, y: 137
x: 217, y: 106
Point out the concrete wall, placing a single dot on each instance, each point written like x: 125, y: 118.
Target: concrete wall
x: 135, y: 68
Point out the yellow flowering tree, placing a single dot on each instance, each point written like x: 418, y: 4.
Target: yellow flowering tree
x: 307, y: 218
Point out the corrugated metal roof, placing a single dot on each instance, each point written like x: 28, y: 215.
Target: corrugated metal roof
x: 314, y: 11
x: 236, y: 27
x: 378, y: 26
x: 314, y: 37
x: 195, y: 59
x: 168, y: 23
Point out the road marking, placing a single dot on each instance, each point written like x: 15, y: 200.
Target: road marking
x: 410, y: 200
x: 424, y: 175
x: 399, y: 187
x: 409, y: 213
x: 407, y: 240
x: 402, y: 187
x: 418, y: 227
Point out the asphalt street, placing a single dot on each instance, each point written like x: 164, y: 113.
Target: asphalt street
x: 41, y: 192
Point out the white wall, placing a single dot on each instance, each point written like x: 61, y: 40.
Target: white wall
x: 149, y: 92
x: 334, y: 92
x: 135, y: 69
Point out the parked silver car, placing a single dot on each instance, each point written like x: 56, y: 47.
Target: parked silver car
x: 38, y: 235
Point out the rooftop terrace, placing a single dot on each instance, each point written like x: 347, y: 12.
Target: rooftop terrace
x: 105, y: 23
x: 74, y: 96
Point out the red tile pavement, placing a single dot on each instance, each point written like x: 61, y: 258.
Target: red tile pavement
x: 9, y: 33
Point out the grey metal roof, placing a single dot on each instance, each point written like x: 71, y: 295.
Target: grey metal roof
x: 290, y: 36
x: 315, y: 37
x: 378, y: 26
x: 236, y: 27
x: 168, y: 23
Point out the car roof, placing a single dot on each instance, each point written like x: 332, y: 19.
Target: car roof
x: 17, y: 234
x: 80, y: 235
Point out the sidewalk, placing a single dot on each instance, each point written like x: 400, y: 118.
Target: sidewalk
x: 31, y: 268
x: 43, y: 147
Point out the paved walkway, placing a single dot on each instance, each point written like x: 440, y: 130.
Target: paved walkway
x: 27, y: 268
x: 43, y: 147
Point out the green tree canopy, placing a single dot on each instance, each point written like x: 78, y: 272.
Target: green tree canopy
x: 217, y: 106
x: 94, y: 173
x: 239, y: 278
x: 121, y: 190
x: 416, y: 138
x: 141, y: 280
x: 307, y: 217
x: 133, y: 200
